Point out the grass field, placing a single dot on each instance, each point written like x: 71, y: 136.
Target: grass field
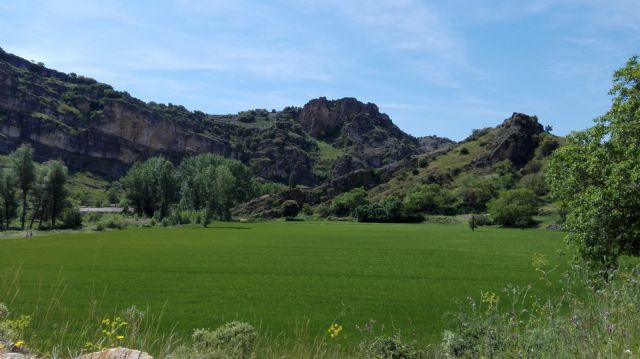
x: 274, y: 274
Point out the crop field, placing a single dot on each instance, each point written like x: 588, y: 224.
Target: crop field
x: 275, y: 275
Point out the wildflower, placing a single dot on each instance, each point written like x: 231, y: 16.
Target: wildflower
x: 609, y: 328
x: 120, y: 337
x: 19, y: 343
x: 334, y: 330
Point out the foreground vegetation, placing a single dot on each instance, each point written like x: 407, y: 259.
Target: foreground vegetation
x: 275, y: 275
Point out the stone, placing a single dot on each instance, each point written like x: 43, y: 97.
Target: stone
x: 117, y: 353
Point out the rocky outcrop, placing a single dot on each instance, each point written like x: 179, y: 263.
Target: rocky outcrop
x: 435, y: 143
x: 346, y: 164
x: 348, y: 123
x: 516, y: 140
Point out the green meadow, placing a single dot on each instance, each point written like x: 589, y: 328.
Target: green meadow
x: 275, y: 275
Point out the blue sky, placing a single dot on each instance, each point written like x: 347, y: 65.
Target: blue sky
x: 436, y: 67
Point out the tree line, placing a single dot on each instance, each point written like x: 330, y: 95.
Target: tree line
x: 207, y: 183
x: 35, y: 194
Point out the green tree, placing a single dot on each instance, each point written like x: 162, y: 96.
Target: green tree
x: 8, y: 197
x: 25, y: 175
x: 225, y: 191
x: 473, y: 192
x: 514, y: 208
x: 55, y: 183
x: 151, y: 187
x: 346, y: 203
x: 596, y: 177
x: 429, y: 198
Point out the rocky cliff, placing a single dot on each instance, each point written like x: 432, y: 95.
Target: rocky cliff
x: 516, y: 140
x: 93, y: 127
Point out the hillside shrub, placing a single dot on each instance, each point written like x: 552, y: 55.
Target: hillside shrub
x: 290, y: 208
x: 346, y: 203
x: 430, y: 199
x: 514, y: 208
x: 390, y: 210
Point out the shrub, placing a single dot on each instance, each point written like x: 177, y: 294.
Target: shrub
x: 110, y: 221
x: 464, y: 151
x: 71, y: 218
x: 514, y: 208
x: 391, y: 210
x: 389, y: 348
x: 548, y: 145
x: 290, y: 208
x: 346, y: 203
x: 430, y: 198
x: 234, y: 340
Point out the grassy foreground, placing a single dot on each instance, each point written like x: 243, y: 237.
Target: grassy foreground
x: 275, y: 275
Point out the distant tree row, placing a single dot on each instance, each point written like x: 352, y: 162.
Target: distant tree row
x: 33, y: 194
x: 207, y: 182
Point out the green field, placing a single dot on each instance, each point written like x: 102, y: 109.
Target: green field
x: 275, y: 274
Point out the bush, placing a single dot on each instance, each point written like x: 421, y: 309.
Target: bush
x: 464, y: 151
x: 548, y: 145
x: 389, y: 348
x: 514, y: 208
x: 71, y: 218
x: 391, y: 210
x: 430, y: 198
x: 110, y: 221
x: 346, y: 203
x: 234, y: 340
x: 290, y: 208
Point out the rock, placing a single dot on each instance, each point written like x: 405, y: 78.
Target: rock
x: 516, y: 140
x: 12, y: 356
x: 117, y: 353
x: 346, y: 164
x: 348, y: 123
x: 435, y: 143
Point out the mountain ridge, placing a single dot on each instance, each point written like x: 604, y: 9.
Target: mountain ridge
x: 90, y: 126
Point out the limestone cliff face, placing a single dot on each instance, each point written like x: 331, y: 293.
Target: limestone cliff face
x: 92, y: 127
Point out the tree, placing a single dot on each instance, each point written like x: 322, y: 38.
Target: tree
x: 346, y: 203
x: 429, y: 198
x: 55, y: 183
x: 473, y: 193
x: 151, y: 187
x: 8, y: 197
x: 514, y: 208
x: 596, y: 177
x: 225, y: 187
x: 25, y: 175
x: 290, y: 209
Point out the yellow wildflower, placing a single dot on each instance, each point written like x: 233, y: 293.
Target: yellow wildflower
x: 120, y: 337
x: 19, y: 343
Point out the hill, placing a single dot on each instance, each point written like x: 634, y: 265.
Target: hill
x: 95, y: 128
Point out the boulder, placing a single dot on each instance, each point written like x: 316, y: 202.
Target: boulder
x: 117, y: 353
